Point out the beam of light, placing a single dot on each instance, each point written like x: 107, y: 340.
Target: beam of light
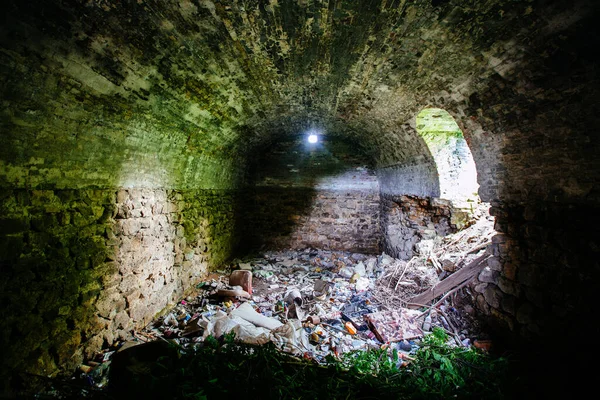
x: 313, y: 138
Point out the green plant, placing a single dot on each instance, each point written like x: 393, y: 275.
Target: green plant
x: 444, y: 370
x: 223, y: 368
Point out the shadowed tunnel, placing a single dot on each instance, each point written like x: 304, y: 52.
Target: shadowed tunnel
x: 143, y: 143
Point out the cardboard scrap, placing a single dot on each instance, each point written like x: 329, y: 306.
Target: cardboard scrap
x: 393, y: 326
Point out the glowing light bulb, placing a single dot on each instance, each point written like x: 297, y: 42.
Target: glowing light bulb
x: 313, y: 138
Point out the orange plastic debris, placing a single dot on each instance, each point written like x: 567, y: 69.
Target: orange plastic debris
x: 350, y: 328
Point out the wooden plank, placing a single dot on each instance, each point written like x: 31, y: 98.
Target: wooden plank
x: 462, y: 275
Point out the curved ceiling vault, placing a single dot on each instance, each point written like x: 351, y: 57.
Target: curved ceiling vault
x: 175, y: 93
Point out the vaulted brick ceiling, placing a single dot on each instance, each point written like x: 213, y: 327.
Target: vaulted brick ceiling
x: 180, y: 93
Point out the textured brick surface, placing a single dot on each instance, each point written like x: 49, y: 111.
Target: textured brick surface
x: 321, y: 196
x: 406, y: 220
x: 547, y: 255
x: 301, y: 218
x: 82, y: 268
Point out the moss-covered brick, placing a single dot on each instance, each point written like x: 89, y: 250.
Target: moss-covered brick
x: 108, y: 269
x: 45, y: 271
x: 38, y: 240
x: 43, y: 222
x: 69, y: 341
x: 57, y: 268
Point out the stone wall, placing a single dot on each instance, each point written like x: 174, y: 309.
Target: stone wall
x: 406, y: 220
x: 278, y: 218
x: 542, y: 281
x: 81, y: 268
x: 544, y: 276
x: 320, y: 195
x: 415, y: 178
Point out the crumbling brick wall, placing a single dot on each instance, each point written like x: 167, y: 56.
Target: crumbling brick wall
x: 406, y: 220
x: 81, y: 268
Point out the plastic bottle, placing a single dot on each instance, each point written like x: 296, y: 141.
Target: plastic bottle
x: 427, y: 323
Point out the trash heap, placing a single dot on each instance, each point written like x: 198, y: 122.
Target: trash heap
x: 313, y: 304
x: 319, y: 303
x: 438, y: 279
x: 310, y: 303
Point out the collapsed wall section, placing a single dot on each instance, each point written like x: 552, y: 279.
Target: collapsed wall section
x: 82, y: 268
x: 407, y: 220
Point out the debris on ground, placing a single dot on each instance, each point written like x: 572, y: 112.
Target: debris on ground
x: 319, y: 303
x: 395, y: 326
x: 434, y: 279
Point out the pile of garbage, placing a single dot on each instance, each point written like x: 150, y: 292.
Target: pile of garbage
x: 311, y: 303
x: 319, y: 303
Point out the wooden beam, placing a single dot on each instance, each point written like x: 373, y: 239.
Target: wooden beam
x: 461, y: 276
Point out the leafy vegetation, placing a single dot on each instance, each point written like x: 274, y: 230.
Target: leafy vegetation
x: 222, y: 369
x: 226, y: 369
x: 441, y: 370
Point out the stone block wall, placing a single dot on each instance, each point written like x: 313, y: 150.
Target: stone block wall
x: 298, y: 218
x: 81, y: 268
x: 543, y: 278
x: 542, y: 150
x: 406, y: 220
x: 417, y: 178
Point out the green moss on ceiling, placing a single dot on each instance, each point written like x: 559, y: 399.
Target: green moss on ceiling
x: 180, y: 94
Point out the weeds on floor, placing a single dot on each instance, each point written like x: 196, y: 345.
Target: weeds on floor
x: 227, y: 369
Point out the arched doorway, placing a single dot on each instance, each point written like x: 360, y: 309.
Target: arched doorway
x: 453, y: 158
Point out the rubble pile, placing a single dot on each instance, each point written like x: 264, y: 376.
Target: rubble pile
x: 311, y: 303
x: 318, y: 303
x: 437, y: 260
